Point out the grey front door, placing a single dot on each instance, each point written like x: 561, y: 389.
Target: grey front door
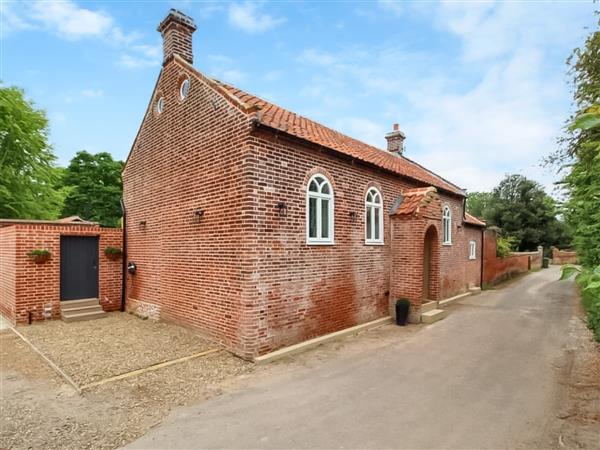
x: 78, y: 267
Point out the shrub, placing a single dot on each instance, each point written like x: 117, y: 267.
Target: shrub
x: 38, y: 252
x: 505, y: 245
x: 589, y: 284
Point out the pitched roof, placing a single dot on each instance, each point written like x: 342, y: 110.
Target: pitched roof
x: 412, y: 200
x: 277, y: 117
x: 472, y: 220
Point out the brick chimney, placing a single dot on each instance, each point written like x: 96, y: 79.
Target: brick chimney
x: 177, y: 30
x: 395, y: 140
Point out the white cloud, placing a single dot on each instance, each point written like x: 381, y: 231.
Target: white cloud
x: 69, y: 20
x: 494, y: 107
x: 224, y: 68
x: 360, y: 128
x: 93, y: 93
x: 248, y: 17
x: 73, y: 22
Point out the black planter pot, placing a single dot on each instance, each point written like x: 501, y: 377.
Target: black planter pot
x: 402, y: 308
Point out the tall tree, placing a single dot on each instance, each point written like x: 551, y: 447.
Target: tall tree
x: 27, y: 172
x: 523, y: 211
x: 95, y: 188
x: 581, y: 151
x: 478, y: 204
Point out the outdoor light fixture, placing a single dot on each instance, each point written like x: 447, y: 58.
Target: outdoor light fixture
x: 353, y: 216
x: 282, y: 207
x: 198, y: 214
x: 142, y: 224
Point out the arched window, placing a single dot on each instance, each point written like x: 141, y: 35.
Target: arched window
x: 373, y: 217
x: 472, y: 250
x: 184, y: 88
x: 319, y: 211
x: 447, y: 225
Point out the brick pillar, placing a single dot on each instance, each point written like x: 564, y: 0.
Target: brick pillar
x: 406, y: 271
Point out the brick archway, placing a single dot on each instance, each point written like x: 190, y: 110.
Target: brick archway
x: 415, y: 249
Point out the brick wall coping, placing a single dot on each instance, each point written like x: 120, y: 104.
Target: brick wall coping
x: 9, y: 222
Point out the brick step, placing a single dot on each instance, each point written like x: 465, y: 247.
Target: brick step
x: 70, y: 304
x: 76, y: 309
x: 428, y: 306
x: 76, y: 317
x: 434, y: 315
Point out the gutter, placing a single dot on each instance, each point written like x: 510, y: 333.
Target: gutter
x: 124, y: 259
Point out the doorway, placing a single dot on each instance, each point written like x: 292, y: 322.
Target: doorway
x: 78, y: 267
x: 428, y: 270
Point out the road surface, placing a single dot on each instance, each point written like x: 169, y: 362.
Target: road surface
x: 487, y: 376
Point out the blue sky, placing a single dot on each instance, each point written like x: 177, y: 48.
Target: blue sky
x: 479, y: 88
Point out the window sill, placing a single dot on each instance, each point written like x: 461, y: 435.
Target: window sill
x: 320, y: 243
x: 472, y: 259
x: 447, y: 244
x: 374, y: 243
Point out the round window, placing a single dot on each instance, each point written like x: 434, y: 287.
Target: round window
x: 160, y: 105
x: 184, y: 88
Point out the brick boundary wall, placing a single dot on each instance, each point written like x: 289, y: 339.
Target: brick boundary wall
x: 563, y: 256
x: 496, y: 270
x: 26, y: 287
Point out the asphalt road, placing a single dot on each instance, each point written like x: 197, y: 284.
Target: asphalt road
x: 484, y: 377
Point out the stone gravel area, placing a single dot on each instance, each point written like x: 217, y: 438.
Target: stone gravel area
x: 93, y: 350
x: 38, y: 409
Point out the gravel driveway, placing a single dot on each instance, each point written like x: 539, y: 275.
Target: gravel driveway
x: 93, y: 350
x: 38, y: 409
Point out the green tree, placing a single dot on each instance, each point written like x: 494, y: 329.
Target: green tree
x: 94, y: 188
x: 583, y: 184
x: 580, y: 151
x: 524, y: 212
x: 28, y: 174
x: 478, y: 204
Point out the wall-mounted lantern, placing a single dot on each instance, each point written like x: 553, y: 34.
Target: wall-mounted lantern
x: 353, y: 216
x: 283, y: 209
x: 142, y: 224
x: 198, y: 215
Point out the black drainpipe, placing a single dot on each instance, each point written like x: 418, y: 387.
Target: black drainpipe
x: 124, y: 259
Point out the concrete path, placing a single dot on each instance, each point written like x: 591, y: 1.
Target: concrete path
x: 484, y: 377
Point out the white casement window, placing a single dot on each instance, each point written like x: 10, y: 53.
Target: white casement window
x: 447, y: 225
x: 472, y: 250
x: 373, y: 217
x: 319, y: 211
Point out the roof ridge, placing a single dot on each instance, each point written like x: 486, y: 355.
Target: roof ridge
x: 290, y: 122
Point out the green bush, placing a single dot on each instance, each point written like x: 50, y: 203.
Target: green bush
x: 505, y: 245
x: 589, y: 284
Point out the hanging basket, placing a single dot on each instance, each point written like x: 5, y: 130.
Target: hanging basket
x: 39, y: 256
x: 113, y: 253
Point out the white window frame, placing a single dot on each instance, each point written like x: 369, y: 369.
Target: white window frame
x: 182, y: 95
x: 320, y: 196
x: 447, y: 225
x: 472, y: 250
x: 376, y: 208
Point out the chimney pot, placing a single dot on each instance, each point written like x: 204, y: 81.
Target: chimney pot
x: 176, y: 30
x: 395, y: 140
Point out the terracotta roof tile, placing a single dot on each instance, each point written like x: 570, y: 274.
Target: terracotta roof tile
x: 473, y: 220
x: 413, y: 199
x: 299, y: 126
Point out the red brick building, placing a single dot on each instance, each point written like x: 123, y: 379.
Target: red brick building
x: 262, y: 228
x: 34, y: 290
